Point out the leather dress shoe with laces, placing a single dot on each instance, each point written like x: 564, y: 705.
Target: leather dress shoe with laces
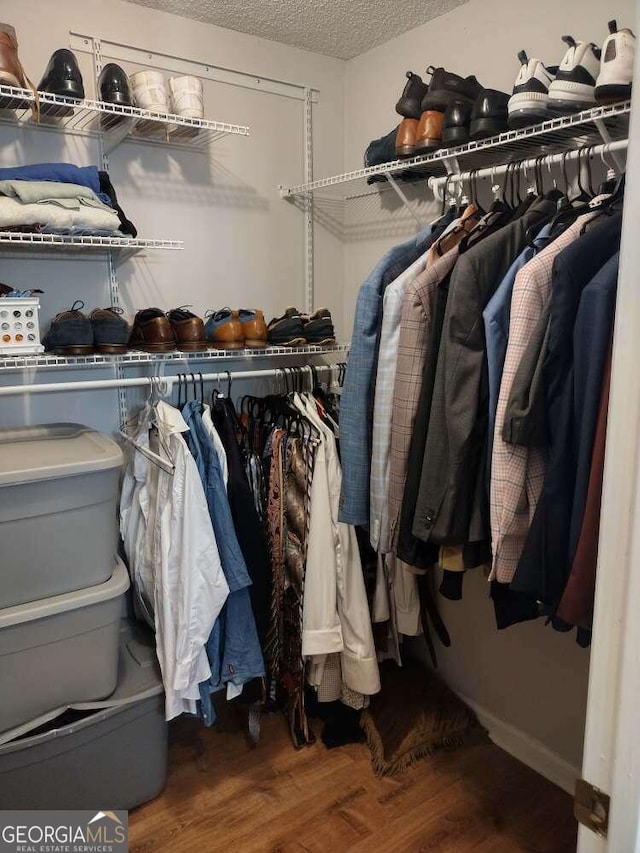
x: 188, y: 330
x: 152, y: 332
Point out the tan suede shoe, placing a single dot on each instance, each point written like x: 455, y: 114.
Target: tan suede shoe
x: 254, y: 328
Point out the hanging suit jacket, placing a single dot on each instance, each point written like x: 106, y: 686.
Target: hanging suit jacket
x: 544, y: 565
x: 451, y: 506
x: 355, y: 427
x: 576, y: 606
x: 517, y: 472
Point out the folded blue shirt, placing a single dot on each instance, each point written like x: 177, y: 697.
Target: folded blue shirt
x: 67, y: 173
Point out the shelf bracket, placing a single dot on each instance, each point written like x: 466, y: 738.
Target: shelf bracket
x: 452, y: 165
x: 606, y: 138
x: 405, y: 201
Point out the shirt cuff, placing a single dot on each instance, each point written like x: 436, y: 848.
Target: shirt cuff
x: 324, y: 641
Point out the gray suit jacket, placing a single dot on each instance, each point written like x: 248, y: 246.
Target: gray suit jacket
x: 452, y: 502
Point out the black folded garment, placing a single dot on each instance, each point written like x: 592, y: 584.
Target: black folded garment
x: 126, y: 226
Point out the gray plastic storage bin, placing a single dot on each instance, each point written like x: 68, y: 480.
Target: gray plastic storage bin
x: 60, y: 650
x: 58, y: 518
x: 104, y: 755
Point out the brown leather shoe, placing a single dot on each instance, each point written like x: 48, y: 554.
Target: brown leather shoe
x: 152, y: 332
x: 254, y: 328
x: 224, y: 329
x: 11, y: 71
x: 406, y: 137
x: 429, y: 133
x: 188, y: 329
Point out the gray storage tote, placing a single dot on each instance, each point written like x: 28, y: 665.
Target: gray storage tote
x: 60, y: 650
x: 59, y: 488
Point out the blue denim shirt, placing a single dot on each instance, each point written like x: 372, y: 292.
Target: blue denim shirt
x: 496, y: 316
x: 233, y: 647
x: 355, y: 406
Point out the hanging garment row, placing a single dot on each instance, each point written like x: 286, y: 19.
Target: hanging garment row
x: 229, y: 523
x: 475, y: 399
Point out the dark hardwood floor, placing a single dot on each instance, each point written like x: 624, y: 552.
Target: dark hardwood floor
x: 223, y: 796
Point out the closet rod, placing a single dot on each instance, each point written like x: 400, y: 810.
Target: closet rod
x: 600, y: 150
x: 100, y: 384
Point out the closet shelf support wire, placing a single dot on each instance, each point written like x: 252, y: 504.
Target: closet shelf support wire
x: 437, y: 184
x: 146, y: 381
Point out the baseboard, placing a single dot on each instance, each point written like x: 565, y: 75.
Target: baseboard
x: 530, y: 751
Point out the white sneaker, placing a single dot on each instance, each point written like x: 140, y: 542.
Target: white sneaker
x: 575, y: 83
x: 616, y: 70
x: 530, y: 98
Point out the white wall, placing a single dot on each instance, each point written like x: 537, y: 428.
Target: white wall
x: 527, y: 677
x: 243, y: 244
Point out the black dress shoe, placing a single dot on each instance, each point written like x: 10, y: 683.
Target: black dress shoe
x: 455, y: 125
x: 61, y: 77
x: 410, y: 103
x: 445, y: 86
x: 113, y: 86
x: 490, y: 114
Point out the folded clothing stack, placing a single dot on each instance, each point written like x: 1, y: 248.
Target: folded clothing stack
x: 60, y: 198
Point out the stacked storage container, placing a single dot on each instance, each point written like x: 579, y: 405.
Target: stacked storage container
x: 79, y: 686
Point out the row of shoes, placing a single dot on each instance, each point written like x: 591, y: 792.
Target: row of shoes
x: 452, y: 110
x: 106, y: 331
x: 147, y: 89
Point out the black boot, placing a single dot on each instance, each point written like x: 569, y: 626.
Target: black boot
x: 113, y: 86
x: 61, y: 77
x: 410, y: 103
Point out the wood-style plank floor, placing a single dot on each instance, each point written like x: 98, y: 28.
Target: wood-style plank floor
x: 222, y: 796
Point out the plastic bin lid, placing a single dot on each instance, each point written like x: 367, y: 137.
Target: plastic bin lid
x: 139, y: 678
x: 49, y: 451
x: 116, y: 586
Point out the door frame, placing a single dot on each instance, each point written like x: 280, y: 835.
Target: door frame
x: 611, y: 759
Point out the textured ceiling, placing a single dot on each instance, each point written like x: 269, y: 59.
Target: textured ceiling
x: 340, y: 28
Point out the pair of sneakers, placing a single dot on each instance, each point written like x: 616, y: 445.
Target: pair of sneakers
x: 586, y: 76
x: 295, y: 329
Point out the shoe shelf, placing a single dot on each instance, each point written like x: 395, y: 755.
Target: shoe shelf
x: 26, y: 362
x: 550, y: 137
x: 114, y: 122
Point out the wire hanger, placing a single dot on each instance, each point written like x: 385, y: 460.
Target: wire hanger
x: 156, y: 390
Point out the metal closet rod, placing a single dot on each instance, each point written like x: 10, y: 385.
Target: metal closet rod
x: 436, y: 184
x: 147, y: 381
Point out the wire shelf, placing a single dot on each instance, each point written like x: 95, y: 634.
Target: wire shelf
x: 24, y: 362
x: 78, y: 243
x: 550, y: 137
x: 114, y: 121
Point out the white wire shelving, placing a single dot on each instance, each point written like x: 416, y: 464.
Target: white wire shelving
x: 176, y: 358
x: 553, y: 136
x: 78, y: 242
x: 113, y: 122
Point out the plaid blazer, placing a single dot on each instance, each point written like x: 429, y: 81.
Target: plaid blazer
x: 357, y: 393
x: 517, y: 472
x: 383, y: 406
x: 413, y: 346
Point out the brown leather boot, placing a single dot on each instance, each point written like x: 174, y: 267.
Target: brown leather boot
x: 224, y: 330
x: 429, y: 133
x: 11, y: 71
x: 406, y: 137
x: 188, y: 329
x: 152, y: 332
x: 254, y: 328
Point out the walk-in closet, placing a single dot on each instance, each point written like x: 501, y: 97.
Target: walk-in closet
x: 319, y: 330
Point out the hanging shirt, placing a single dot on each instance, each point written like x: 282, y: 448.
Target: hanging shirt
x: 218, y: 446
x: 180, y: 561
